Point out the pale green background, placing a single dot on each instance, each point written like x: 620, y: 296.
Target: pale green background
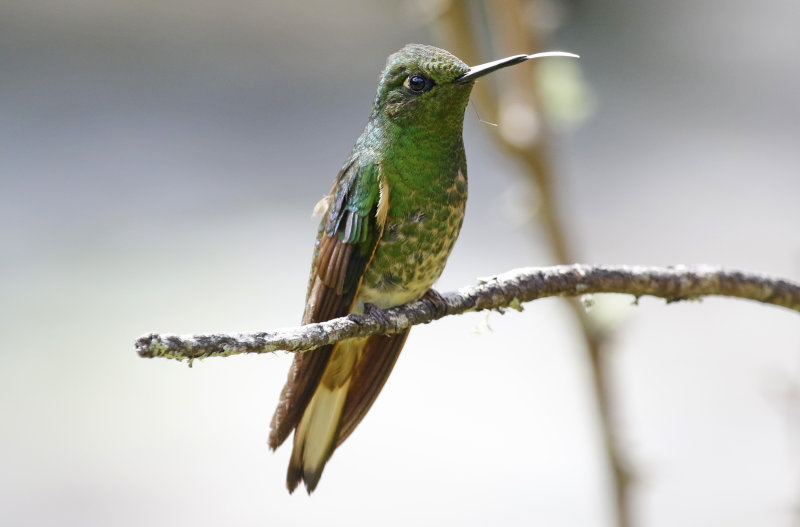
x: 158, y: 165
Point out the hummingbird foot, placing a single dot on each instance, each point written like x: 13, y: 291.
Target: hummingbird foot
x: 437, y: 301
x: 376, y: 312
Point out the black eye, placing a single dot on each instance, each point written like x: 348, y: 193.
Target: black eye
x: 418, y: 83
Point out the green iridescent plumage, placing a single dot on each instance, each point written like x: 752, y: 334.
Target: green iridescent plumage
x: 388, y: 226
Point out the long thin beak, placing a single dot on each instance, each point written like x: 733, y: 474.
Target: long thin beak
x: 484, y: 69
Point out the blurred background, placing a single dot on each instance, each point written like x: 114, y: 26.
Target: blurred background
x: 159, y: 162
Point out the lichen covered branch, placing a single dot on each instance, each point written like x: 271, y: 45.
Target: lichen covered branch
x: 508, y: 290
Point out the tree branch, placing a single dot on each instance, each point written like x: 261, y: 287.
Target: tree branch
x: 508, y: 290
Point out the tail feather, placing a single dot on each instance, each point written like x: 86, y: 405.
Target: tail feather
x: 315, y: 437
x: 304, y: 376
x: 373, y: 369
x: 353, y: 378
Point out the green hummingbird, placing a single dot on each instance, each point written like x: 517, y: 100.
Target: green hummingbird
x: 388, y: 226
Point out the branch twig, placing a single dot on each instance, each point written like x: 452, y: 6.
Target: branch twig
x: 508, y: 290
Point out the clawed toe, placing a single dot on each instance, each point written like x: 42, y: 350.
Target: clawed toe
x: 374, y: 311
x: 438, y: 301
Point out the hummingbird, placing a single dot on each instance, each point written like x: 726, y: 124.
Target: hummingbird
x: 388, y: 226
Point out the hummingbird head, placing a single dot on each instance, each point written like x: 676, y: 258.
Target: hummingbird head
x: 427, y: 86
x: 418, y: 85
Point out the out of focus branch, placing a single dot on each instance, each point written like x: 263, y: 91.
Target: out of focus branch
x: 508, y: 290
x: 522, y: 133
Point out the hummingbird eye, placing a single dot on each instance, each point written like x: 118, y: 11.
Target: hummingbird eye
x: 418, y: 83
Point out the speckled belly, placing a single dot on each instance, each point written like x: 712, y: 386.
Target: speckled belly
x: 412, y: 253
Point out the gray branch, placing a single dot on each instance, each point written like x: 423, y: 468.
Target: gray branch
x: 508, y: 290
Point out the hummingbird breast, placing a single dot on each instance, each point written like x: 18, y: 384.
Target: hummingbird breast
x: 422, y: 224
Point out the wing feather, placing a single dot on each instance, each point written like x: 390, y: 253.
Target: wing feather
x: 346, y: 243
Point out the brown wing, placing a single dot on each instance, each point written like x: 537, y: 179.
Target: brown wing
x: 346, y: 244
x: 374, y: 366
